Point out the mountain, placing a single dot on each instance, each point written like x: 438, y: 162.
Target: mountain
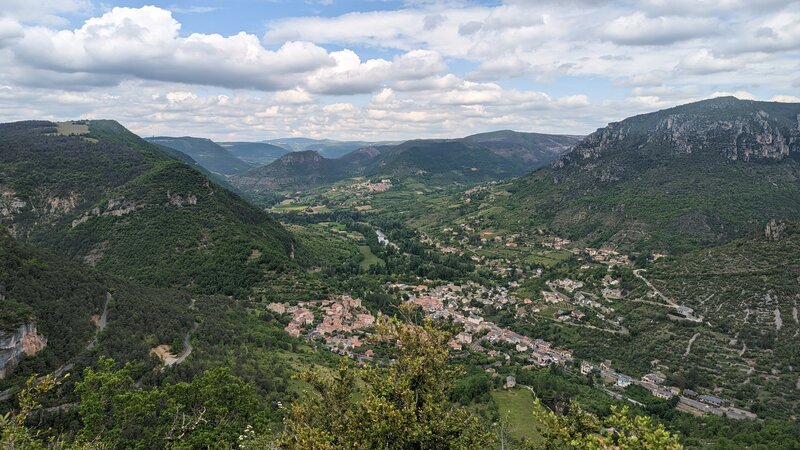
x: 325, y: 147
x: 296, y: 170
x: 206, y: 152
x: 693, y: 175
x: 490, y: 156
x: 532, y: 150
x: 254, y: 153
x: 111, y: 199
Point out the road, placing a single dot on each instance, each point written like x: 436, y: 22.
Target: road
x: 187, y: 348
x: 638, y: 274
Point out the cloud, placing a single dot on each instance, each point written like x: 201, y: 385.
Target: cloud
x: 349, y: 75
x: 43, y: 11
x: 145, y: 43
x: 785, y: 98
x: 741, y: 95
x: 775, y: 33
x: 640, y: 29
x: 424, y: 69
x: 9, y: 30
x: 193, y: 9
x: 704, y: 62
x: 506, y: 66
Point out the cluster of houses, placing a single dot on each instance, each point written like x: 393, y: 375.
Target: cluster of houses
x: 556, y: 296
x: 343, y: 323
x: 454, y: 302
x: 369, y: 186
x: 688, y: 400
x: 605, y: 255
x: 341, y: 327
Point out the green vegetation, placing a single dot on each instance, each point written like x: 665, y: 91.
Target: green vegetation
x: 638, y: 185
x: 255, y: 153
x: 516, y: 409
x: 368, y: 258
x: 438, y: 162
x: 400, y: 406
x: 190, y: 267
x: 208, y: 154
x: 126, y: 207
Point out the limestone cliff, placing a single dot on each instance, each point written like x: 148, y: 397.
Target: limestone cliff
x: 737, y: 130
x: 24, y: 341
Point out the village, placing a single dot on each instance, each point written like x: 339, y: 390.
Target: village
x: 343, y: 325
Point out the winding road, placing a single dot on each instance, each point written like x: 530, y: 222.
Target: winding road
x: 187, y: 348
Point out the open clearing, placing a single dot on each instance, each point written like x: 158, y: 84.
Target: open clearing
x: 516, y: 408
x: 368, y: 258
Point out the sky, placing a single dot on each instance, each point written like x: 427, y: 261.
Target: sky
x: 386, y: 69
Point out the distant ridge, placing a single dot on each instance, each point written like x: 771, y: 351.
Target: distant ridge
x: 206, y: 152
x: 472, y: 159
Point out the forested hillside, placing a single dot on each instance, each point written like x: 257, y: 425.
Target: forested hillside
x: 207, y: 153
x: 120, y: 204
x: 694, y: 175
x: 482, y: 157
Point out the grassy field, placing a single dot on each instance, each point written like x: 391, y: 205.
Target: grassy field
x: 369, y: 257
x: 69, y: 128
x: 516, y: 408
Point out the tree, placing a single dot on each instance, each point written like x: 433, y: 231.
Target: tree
x: 579, y: 429
x: 212, y: 410
x: 13, y: 432
x: 399, y: 406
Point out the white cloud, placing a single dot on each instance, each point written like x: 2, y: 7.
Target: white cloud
x: 42, y: 11
x: 9, y: 30
x: 639, y: 29
x: 427, y: 69
x: 786, y: 98
x: 145, y: 43
x: 704, y: 62
x: 741, y: 95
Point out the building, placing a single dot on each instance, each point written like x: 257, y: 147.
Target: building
x: 586, y: 367
x: 653, y: 378
x: 623, y: 381
x: 711, y: 400
x: 510, y: 382
x: 662, y: 393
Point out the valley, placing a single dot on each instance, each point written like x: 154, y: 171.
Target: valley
x: 634, y: 290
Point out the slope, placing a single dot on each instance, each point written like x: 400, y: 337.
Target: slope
x: 530, y: 150
x: 68, y: 305
x: 328, y: 148
x: 693, y: 175
x: 116, y: 202
x: 254, y: 153
x: 493, y: 156
x: 206, y: 152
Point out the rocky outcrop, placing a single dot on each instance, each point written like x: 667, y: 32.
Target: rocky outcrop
x: 750, y: 137
x: 734, y: 129
x: 180, y: 201
x: 775, y: 230
x: 9, y: 203
x: 115, y: 207
x: 24, y: 341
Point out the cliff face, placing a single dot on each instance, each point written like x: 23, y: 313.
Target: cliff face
x: 730, y: 128
x: 25, y: 341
